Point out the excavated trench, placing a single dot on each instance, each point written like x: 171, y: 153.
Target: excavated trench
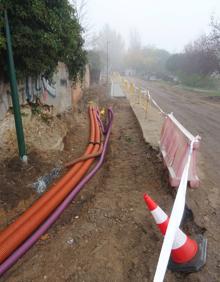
x: 107, y: 234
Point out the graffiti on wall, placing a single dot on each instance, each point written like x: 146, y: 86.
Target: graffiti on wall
x: 39, y: 88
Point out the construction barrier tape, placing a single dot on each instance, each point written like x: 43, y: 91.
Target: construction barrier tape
x: 157, y: 106
x: 174, y: 222
x: 132, y: 90
x: 177, y: 210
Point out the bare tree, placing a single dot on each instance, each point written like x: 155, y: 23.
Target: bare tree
x: 111, y: 42
x: 81, y: 7
x: 200, y: 59
x: 135, y: 40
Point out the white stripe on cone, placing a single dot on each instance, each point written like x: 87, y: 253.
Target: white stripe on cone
x: 180, y: 239
x: 159, y: 215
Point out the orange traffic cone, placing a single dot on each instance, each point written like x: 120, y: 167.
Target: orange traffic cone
x: 187, y: 255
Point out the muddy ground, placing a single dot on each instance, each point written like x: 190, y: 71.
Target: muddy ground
x: 107, y: 234
x: 199, y: 112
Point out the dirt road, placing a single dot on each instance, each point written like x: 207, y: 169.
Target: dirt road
x: 107, y: 234
x: 200, y: 115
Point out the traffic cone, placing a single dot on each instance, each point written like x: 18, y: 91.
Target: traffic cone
x: 187, y: 255
x: 158, y: 214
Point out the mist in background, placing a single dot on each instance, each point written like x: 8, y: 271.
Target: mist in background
x: 169, y: 24
x: 171, y: 40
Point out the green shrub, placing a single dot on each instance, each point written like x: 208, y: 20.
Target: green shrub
x: 197, y: 81
x: 43, y: 33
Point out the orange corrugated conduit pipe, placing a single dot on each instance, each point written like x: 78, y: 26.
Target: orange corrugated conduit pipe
x: 44, y: 198
x: 17, y: 232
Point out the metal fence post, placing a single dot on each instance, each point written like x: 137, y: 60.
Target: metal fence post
x: 14, y: 93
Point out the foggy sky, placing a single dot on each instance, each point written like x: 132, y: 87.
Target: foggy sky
x: 168, y: 24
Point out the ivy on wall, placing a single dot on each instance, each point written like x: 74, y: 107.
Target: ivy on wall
x: 44, y: 32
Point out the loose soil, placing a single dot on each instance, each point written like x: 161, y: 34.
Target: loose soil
x: 44, y: 153
x: 106, y: 234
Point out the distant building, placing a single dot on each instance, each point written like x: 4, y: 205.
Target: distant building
x: 130, y: 72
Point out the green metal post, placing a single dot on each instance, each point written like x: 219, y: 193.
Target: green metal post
x: 14, y: 93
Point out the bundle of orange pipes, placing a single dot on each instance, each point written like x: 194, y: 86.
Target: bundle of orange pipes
x: 18, y: 231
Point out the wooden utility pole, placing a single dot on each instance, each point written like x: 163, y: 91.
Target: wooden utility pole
x: 107, y: 63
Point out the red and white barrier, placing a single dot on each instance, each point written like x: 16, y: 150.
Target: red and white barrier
x: 173, y: 226
x: 175, y: 141
x: 179, y: 148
